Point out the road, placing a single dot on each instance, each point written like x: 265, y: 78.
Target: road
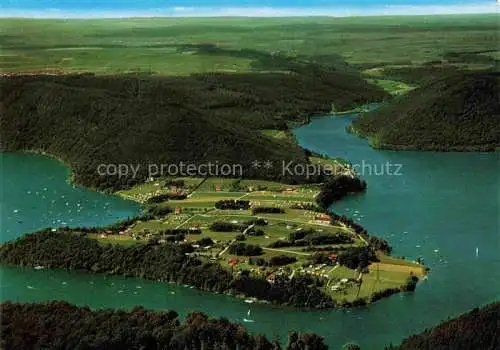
x: 286, y: 251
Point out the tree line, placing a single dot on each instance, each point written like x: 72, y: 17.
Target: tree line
x: 165, y: 197
x: 242, y: 249
x: 60, y: 325
x: 267, y: 210
x: 309, y: 237
x: 231, y: 204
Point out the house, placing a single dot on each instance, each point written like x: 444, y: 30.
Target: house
x: 217, y: 188
x: 333, y: 257
x: 323, y: 217
x: 232, y: 262
x: 271, y: 278
x: 178, y: 211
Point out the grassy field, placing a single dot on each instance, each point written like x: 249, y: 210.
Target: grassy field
x: 173, y: 46
x: 144, y: 191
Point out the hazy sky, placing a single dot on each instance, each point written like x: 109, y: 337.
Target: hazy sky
x: 126, y: 8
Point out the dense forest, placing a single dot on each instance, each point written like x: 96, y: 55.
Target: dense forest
x: 458, y: 112
x: 73, y: 251
x: 337, y: 187
x: 60, y: 325
x: 311, y: 237
x: 477, y: 329
x: 88, y: 120
x: 231, y: 204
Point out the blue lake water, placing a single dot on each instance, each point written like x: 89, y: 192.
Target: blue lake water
x: 36, y: 194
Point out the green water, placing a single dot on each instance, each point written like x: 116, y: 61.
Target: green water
x: 447, y: 202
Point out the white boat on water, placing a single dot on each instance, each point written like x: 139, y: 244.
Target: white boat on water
x: 249, y: 301
x: 38, y: 267
x: 248, y: 319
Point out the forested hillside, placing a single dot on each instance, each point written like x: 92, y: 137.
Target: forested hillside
x: 477, y: 329
x: 458, y: 112
x: 59, y: 325
x: 88, y: 120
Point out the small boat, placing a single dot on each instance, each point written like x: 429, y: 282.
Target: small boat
x: 38, y: 267
x: 249, y: 301
x: 248, y: 319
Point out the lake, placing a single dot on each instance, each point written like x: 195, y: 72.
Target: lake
x: 443, y: 207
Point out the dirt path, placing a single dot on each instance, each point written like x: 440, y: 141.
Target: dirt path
x: 185, y: 222
x: 286, y: 251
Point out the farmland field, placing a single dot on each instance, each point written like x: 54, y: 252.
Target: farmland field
x: 171, y: 46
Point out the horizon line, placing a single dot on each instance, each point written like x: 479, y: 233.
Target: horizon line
x: 254, y: 12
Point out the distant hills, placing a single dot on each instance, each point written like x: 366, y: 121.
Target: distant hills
x: 88, y: 120
x: 458, y: 112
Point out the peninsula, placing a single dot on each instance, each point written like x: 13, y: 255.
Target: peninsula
x: 257, y: 239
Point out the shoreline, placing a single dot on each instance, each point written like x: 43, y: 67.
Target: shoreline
x: 408, y: 148
x: 70, y: 179
x: 345, y: 305
x: 351, y: 129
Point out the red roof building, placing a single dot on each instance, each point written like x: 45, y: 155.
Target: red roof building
x: 323, y: 217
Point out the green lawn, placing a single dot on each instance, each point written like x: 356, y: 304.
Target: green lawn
x: 217, y: 184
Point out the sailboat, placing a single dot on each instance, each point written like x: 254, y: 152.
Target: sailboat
x: 248, y: 319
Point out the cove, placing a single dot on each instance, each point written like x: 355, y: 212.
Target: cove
x: 442, y: 207
x: 35, y: 193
